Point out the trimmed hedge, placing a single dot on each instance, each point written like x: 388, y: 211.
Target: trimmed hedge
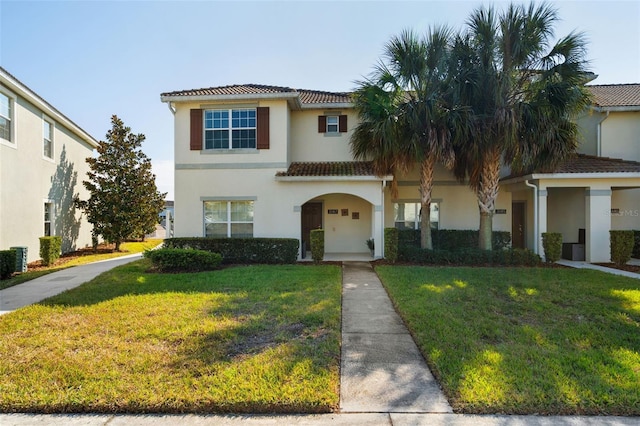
x: 7, y: 263
x: 469, y: 256
x: 621, y: 246
x: 636, y: 245
x: 391, y: 243
x: 317, y: 245
x: 50, y: 248
x: 183, y: 260
x: 453, y: 239
x: 552, y: 244
x: 243, y: 250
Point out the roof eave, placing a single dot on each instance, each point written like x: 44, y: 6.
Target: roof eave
x: 332, y: 178
x: 600, y: 175
x: 15, y: 85
x: 626, y: 108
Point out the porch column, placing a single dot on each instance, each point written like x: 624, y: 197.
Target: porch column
x: 598, y: 224
x: 542, y: 219
x: 378, y: 231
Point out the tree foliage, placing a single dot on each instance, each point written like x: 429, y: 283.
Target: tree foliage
x: 124, y: 201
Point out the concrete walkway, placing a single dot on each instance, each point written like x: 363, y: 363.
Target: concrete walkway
x: 585, y: 265
x: 382, y: 369
x: 54, y: 283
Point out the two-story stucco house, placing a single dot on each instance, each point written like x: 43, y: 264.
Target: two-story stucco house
x: 265, y: 161
x: 42, y: 165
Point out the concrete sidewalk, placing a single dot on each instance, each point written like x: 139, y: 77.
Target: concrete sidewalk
x: 54, y: 283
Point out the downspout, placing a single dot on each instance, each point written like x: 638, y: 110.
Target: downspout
x: 171, y: 108
x: 536, y: 237
x: 384, y: 183
x: 599, y: 137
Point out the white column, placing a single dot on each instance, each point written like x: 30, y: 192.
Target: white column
x: 378, y: 230
x: 542, y: 219
x: 598, y: 224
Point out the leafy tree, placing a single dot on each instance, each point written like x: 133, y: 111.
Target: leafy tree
x: 124, y: 201
x: 404, y: 114
x: 521, y: 94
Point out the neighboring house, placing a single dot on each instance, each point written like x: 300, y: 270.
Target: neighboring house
x: 42, y: 165
x: 266, y: 161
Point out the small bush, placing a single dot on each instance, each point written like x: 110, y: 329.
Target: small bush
x: 50, y: 248
x: 243, y: 250
x: 317, y: 245
x: 7, y: 263
x: 453, y: 239
x: 183, y: 260
x: 636, y: 245
x: 621, y: 246
x: 391, y: 244
x: 552, y: 244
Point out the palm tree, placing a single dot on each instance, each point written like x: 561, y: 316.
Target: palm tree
x: 521, y: 94
x: 403, y: 114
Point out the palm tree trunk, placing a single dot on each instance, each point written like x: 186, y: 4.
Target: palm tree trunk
x: 487, y: 194
x: 426, y: 185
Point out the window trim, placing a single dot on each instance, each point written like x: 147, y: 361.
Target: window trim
x: 52, y: 127
x: 228, y: 222
x: 13, y: 143
x: 230, y: 128
x: 336, y: 124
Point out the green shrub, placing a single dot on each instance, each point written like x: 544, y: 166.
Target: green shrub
x: 552, y: 244
x: 469, y: 257
x: 183, y: 260
x: 621, y: 246
x: 7, y: 263
x: 636, y: 245
x: 50, y: 248
x: 391, y: 244
x: 317, y: 245
x: 243, y: 250
x: 453, y: 239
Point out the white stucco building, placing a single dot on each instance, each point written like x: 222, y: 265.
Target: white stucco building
x: 42, y: 165
x: 266, y: 161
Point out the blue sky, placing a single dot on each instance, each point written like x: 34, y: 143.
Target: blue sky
x: 92, y: 59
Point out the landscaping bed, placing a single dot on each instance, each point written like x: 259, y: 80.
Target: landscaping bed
x: 525, y: 340
x: 252, y: 339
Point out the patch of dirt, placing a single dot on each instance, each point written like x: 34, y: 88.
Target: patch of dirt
x: 67, y: 257
x: 628, y: 268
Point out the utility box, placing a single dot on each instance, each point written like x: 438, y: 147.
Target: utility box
x: 21, y: 258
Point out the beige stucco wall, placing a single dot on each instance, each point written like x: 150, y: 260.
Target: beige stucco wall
x: 566, y: 212
x: 621, y: 135
x: 588, y: 132
x: 28, y: 180
x: 627, y: 201
x: 307, y: 144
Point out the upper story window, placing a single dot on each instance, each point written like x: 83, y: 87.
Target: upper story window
x: 230, y: 128
x: 332, y: 124
x: 6, y: 118
x: 47, y: 139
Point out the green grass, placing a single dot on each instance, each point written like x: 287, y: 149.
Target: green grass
x: 525, y: 340
x: 73, y: 259
x: 242, y: 339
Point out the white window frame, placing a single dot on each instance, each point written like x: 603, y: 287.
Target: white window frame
x: 229, y: 129
x: 228, y: 220
x: 435, y: 209
x: 52, y: 216
x: 52, y: 127
x: 333, y: 127
x: 12, y: 119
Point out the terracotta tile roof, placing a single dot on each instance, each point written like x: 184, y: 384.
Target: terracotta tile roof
x: 581, y: 163
x: 341, y: 168
x: 306, y: 96
x: 616, y: 95
x: 318, y: 97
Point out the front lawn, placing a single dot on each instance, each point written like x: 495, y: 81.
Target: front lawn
x: 525, y: 340
x: 252, y: 339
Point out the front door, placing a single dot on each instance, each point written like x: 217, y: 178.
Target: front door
x: 517, y: 224
x: 311, y: 219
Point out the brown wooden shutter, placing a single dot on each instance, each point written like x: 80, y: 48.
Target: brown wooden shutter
x: 196, y: 130
x: 262, y: 123
x: 322, y: 124
x: 342, y: 124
